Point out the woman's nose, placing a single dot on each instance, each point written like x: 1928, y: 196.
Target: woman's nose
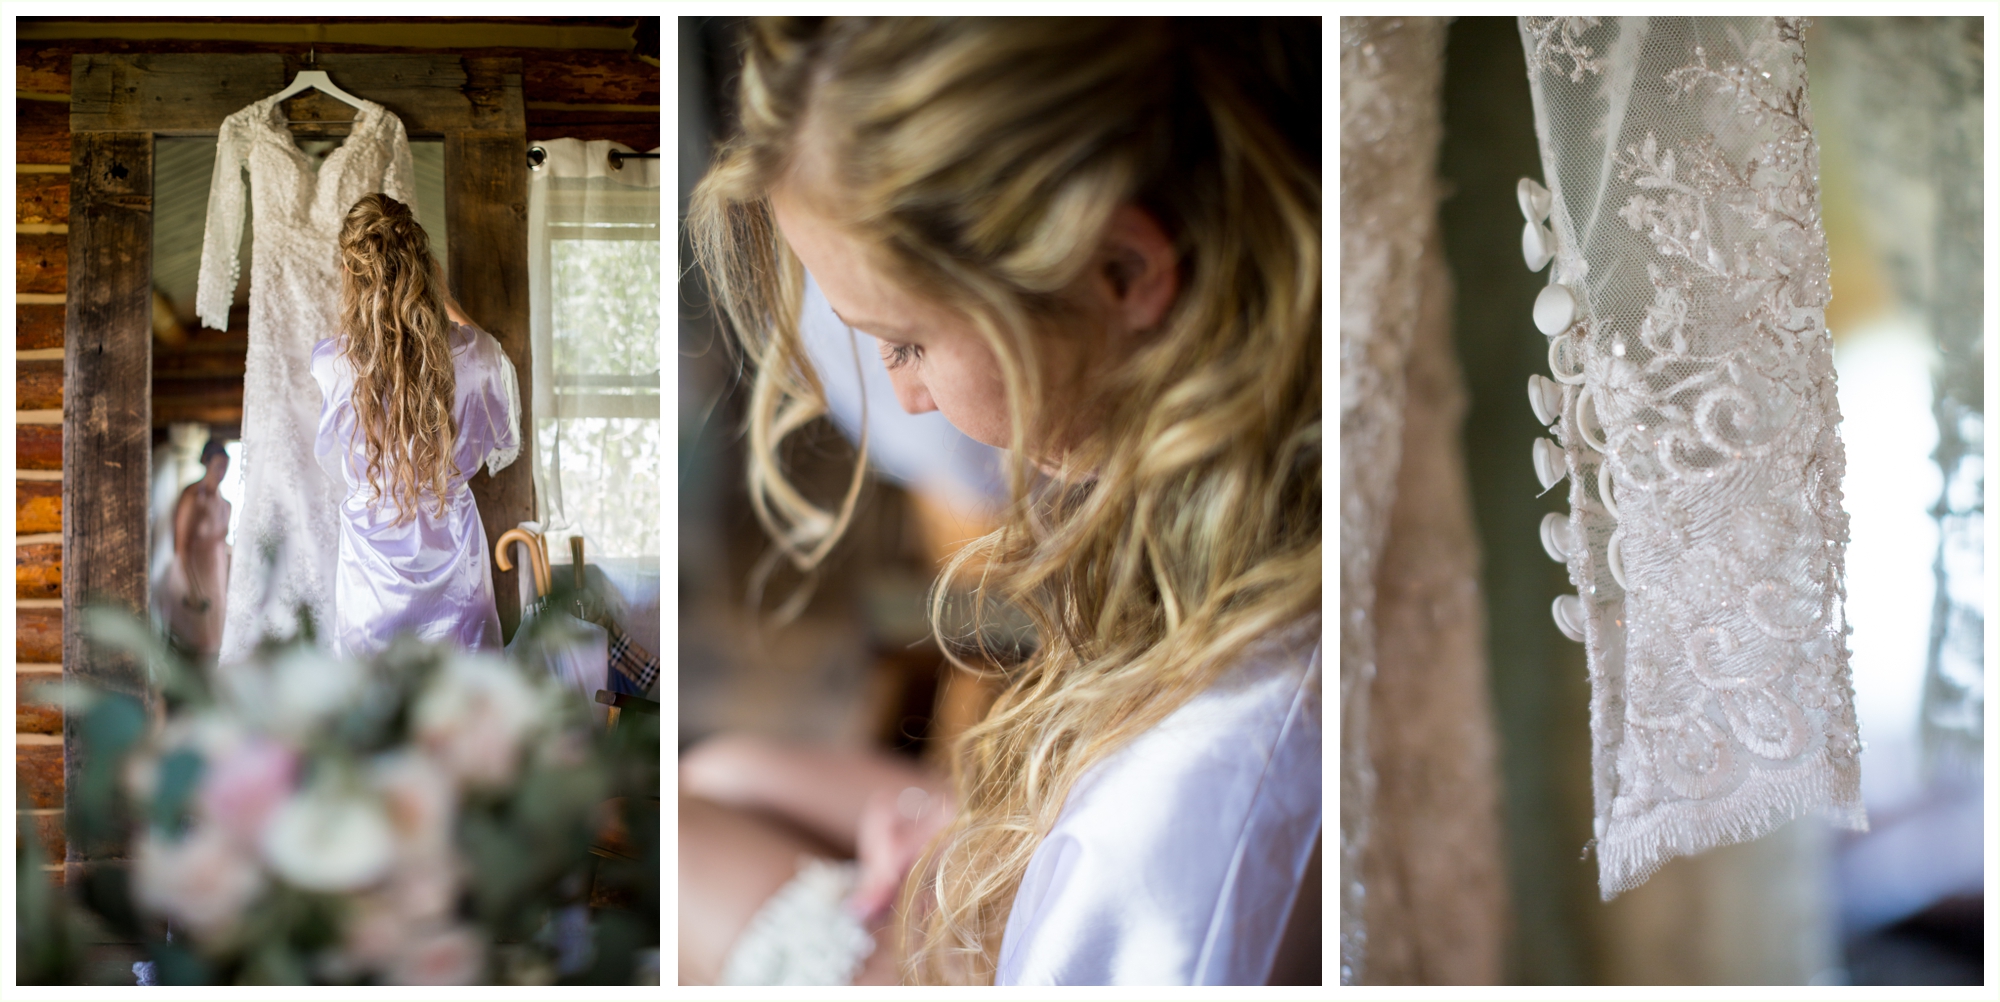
x: 912, y: 393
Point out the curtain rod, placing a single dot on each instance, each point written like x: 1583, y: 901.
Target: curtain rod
x: 538, y: 156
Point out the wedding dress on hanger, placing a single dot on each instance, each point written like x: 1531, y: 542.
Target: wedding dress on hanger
x: 287, y: 530
x: 1692, y: 399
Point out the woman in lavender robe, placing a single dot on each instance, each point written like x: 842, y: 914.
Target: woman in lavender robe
x: 414, y: 400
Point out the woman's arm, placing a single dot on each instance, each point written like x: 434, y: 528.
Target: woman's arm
x: 184, y: 517
x: 451, y: 307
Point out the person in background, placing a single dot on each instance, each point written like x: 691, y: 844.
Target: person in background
x: 198, y: 581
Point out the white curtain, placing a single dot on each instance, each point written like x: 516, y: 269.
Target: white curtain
x: 594, y: 307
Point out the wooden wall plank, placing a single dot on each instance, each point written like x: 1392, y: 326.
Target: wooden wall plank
x: 187, y: 94
x: 486, y: 209
x: 38, y: 771
x: 37, y: 506
x: 38, y: 635
x: 39, y: 325
x: 41, y: 262
x: 207, y: 410
x: 41, y: 132
x: 38, y: 385
x: 49, y: 829
x: 41, y: 199
x: 38, y: 446
x: 638, y: 137
x: 38, y: 570
x: 568, y: 76
x: 32, y: 715
x: 108, y: 435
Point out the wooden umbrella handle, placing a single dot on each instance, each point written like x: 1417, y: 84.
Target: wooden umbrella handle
x: 536, y: 565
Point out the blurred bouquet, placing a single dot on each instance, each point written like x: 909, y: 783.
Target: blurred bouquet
x: 423, y: 817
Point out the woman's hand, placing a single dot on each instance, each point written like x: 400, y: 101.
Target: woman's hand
x: 895, y: 827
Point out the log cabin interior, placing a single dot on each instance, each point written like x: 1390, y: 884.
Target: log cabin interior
x: 116, y: 379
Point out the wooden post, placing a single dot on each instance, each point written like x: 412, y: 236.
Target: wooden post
x: 486, y: 213
x: 107, y: 424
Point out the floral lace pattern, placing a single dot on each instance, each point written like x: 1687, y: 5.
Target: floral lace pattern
x: 1701, y: 440
x: 1557, y: 37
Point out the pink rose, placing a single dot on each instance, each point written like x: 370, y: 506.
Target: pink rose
x: 451, y: 956
x: 243, y: 787
x: 204, y: 881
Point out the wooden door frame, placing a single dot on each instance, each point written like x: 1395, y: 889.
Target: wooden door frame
x: 119, y: 104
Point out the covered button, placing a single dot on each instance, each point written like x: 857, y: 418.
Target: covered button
x: 1545, y: 395
x: 1538, y: 246
x: 1535, y: 200
x: 1549, y: 466
x: 1555, y: 532
x: 1568, y: 613
x: 1555, y: 310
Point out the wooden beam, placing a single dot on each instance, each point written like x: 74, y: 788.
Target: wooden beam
x: 41, y: 132
x: 107, y: 428
x: 38, y: 447
x: 38, y: 386
x: 40, y: 260
x: 569, y: 76
x: 37, y: 507
x: 40, y: 199
x: 190, y: 94
x: 486, y: 210
x: 39, y: 325
x: 38, y: 635
x: 37, y: 570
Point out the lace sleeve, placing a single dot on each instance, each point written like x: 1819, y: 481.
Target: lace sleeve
x: 1695, y: 419
x: 399, y: 178
x: 222, y: 235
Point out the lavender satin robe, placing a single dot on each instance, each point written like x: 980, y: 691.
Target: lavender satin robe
x: 427, y: 576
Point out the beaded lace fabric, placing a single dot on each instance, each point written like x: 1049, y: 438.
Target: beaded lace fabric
x: 1699, y: 429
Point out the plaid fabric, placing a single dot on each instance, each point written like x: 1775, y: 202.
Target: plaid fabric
x: 633, y: 668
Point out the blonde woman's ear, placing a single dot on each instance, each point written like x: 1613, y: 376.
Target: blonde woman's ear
x: 1137, y: 273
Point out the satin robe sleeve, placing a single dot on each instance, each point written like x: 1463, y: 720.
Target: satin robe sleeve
x: 501, y: 409
x: 336, y: 411
x: 1176, y: 860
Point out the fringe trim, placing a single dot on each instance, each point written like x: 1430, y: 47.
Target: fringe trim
x: 1633, y: 849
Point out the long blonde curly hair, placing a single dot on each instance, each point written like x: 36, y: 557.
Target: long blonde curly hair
x: 394, y: 330
x: 980, y: 160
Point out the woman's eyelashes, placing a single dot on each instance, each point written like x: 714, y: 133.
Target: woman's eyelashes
x: 896, y: 355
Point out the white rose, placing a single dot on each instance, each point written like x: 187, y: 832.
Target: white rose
x: 308, y: 685
x: 203, y: 881
x: 330, y: 840
x: 473, y: 717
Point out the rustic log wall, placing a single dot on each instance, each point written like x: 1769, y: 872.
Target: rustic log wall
x: 583, y: 93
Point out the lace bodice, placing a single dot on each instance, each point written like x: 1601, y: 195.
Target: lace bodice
x: 1695, y: 420
x: 284, y: 556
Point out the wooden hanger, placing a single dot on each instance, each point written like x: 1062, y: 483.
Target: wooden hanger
x: 317, y: 80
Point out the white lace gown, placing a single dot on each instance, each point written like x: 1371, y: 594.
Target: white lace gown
x: 289, y: 519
